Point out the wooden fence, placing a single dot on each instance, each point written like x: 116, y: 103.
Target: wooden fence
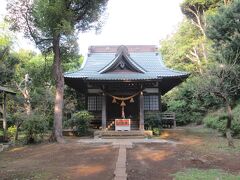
x: 165, y: 120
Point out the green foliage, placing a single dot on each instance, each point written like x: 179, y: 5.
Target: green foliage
x: 8, y: 61
x: 34, y: 126
x: 222, y: 81
x: 81, y: 121
x: 156, y: 131
x: 62, y: 19
x: 151, y: 120
x: 11, y: 131
x: 53, y: 26
x: 18, y: 116
x: 211, y: 174
x: 223, y: 30
x: 189, y: 105
x: 176, y: 49
x: 218, y: 120
x: 199, y: 7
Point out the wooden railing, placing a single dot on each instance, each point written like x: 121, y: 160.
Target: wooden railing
x: 168, y: 120
x: 165, y: 120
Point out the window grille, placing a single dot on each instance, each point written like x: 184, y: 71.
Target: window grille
x: 151, y: 103
x: 94, y: 103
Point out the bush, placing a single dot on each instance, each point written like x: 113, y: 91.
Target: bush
x: 81, y: 121
x: 11, y: 131
x: 188, y: 103
x: 218, y: 120
x: 34, y: 126
x: 156, y: 131
x: 151, y: 120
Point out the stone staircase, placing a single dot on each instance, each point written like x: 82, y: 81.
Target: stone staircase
x: 133, y: 134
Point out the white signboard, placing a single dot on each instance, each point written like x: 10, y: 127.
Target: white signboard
x: 122, y: 124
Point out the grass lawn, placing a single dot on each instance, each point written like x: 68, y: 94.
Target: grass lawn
x: 212, y: 174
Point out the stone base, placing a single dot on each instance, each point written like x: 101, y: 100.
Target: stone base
x: 122, y: 134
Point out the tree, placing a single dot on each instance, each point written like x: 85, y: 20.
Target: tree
x: 8, y: 61
x: 196, y: 11
x: 223, y: 30
x: 50, y: 24
x: 223, y: 81
x: 182, y: 50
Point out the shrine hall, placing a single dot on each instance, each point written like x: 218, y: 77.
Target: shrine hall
x: 123, y: 83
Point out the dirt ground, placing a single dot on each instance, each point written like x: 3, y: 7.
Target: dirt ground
x: 56, y: 161
x: 197, y: 150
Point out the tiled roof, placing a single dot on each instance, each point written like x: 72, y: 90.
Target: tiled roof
x: 151, y: 61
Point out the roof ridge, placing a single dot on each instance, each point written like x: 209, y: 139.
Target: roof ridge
x: 114, y: 48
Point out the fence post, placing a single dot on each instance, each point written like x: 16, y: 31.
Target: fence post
x: 174, y: 121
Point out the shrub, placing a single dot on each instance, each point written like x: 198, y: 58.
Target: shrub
x: 188, y: 103
x: 151, y: 120
x: 81, y: 121
x: 218, y: 120
x: 34, y: 126
x: 11, y: 131
x: 156, y: 131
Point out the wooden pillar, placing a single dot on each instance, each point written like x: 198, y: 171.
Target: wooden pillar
x: 104, y: 111
x: 141, y: 122
x: 4, y: 115
x: 159, y: 99
x: 174, y: 121
x: 159, y: 102
x: 86, y: 101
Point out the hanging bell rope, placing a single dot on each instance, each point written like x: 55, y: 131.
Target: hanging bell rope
x: 123, y: 103
x: 114, y: 100
x: 123, y: 98
x: 131, y: 100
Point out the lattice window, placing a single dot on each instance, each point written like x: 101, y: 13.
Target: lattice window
x: 99, y: 103
x: 94, y: 103
x: 151, y: 103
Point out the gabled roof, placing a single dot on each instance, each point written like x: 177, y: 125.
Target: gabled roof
x: 123, y: 61
x: 144, y: 61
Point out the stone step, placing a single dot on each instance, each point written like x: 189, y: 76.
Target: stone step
x: 123, y: 137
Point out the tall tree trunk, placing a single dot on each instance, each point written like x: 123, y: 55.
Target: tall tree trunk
x: 26, y: 95
x: 59, y: 80
x: 18, y: 124
x: 228, y: 126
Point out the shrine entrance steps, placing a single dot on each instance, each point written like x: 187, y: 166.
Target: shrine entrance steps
x: 134, y: 134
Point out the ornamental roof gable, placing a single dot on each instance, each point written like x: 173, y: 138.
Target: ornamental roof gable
x: 122, y: 63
